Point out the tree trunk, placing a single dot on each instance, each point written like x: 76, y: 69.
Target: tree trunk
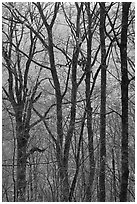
x: 65, y: 183
x: 22, y: 139
x: 73, y: 184
x: 124, y: 101
x: 89, y: 110
x: 114, y: 175
x: 63, y: 177
x: 103, y: 106
x: 73, y: 108
x: 62, y: 163
x: 71, y: 127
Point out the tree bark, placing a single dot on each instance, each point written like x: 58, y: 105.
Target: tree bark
x: 114, y: 175
x: 89, y: 108
x: 103, y: 106
x: 124, y: 101
x: 22, y: 135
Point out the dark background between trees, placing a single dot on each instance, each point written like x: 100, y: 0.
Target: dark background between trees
x: 68, y: 102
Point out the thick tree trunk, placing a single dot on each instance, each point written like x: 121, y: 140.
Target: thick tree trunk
x: 124, y: 101
x: 21, y: 172
x: 64, y: 182
x: 114, y: 176
x: 62, y: 176
x: 22, y: 139
x: 103, y: 106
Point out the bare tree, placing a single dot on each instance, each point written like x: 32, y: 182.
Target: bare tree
x: 17, y: 90
x: 124, y: 101
x: 67, y: 124
x: 88, y: 101
x: 103, y: 106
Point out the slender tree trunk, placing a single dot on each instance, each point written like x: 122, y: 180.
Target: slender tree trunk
x: 103, y: 106
x: 124, y: 101
x: 72, y: 188
x: 89, y: 109
x: 71, y: 126
x: 63, y: 175
x: 73, y: 108
x: 62, y: 162
x: 83, y: 170
x: 31, y: 183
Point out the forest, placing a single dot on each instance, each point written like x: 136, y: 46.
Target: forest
x: 68, y: 102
